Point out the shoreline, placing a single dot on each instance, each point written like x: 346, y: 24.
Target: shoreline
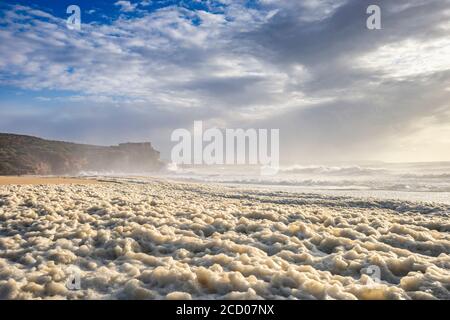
x: 43, y: 180
x: 437, y: 198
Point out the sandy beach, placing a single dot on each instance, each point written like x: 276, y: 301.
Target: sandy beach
x: 149, y: 239
x: 35, y: 180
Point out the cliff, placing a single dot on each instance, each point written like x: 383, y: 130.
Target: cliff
x: 20, y: 155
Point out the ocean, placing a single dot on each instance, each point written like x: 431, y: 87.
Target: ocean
x: 424, y: 182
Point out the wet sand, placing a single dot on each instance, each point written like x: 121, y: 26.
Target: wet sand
x: 36, y: 180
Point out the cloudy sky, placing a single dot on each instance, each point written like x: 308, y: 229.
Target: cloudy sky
x: 139, y: 69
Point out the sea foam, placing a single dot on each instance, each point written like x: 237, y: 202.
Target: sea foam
x: 147, y: 239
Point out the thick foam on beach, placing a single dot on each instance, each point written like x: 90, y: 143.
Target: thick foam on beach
x: 131, y: 239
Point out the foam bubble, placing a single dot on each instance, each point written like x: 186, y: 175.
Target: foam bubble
x: 152, y: 239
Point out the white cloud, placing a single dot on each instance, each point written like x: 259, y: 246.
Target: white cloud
x: 409, y: 58
x: 328, y: 90
x: 126, y: 6
x: 146, y: 3
x: 138, y: 58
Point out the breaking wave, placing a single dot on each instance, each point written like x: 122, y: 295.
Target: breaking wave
x: 340, y: 171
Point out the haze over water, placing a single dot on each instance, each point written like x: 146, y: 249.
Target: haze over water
x: 428, y: 181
